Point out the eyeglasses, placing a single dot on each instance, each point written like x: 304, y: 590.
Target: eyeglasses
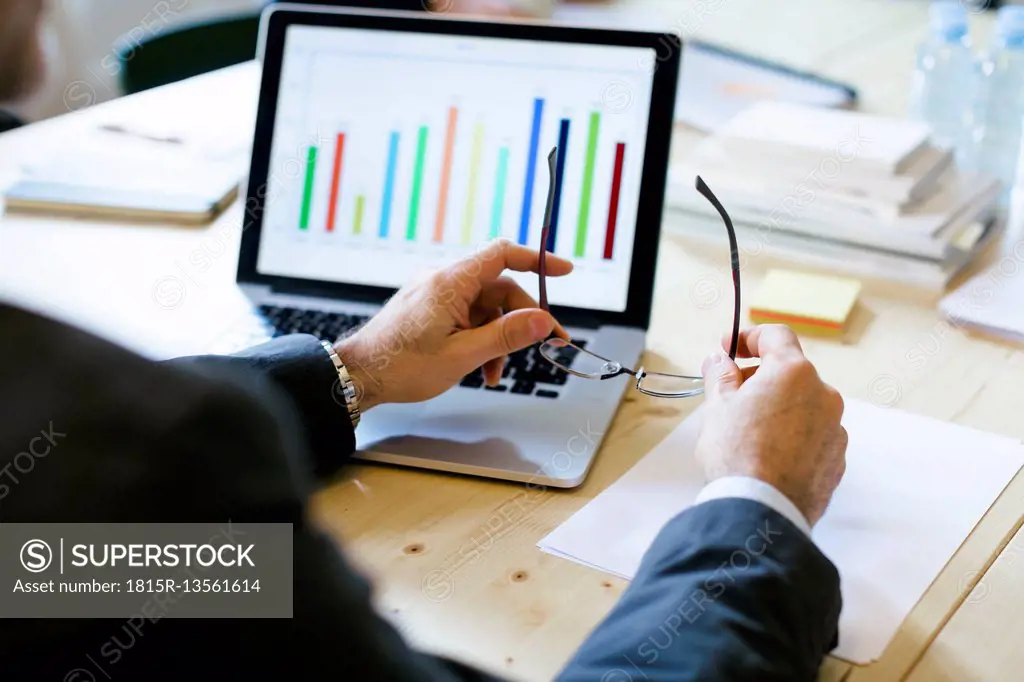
x: 588, y: 365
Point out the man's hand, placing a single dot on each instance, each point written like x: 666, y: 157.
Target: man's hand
x: 434, y: 332
x: 779, y: 424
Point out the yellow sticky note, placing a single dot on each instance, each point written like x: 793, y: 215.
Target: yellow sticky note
x: 809, y: 303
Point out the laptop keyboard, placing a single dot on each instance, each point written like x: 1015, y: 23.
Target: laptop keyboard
x: 527, y: 372
x: 323, y: 325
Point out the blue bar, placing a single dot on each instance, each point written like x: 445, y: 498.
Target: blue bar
x: 531, y: 171
x: 563, y: 152
x: 389, y: 186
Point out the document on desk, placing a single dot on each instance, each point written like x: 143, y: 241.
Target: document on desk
x: 914, y: 489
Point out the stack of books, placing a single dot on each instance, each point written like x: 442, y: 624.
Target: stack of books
x: 839, y: 190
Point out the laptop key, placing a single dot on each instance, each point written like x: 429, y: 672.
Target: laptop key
x: 500, y: 388
x: 546, y: 394
x: 473, y: 380
x: 523, y: 387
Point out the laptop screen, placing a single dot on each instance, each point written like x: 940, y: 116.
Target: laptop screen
x: 397, y: 152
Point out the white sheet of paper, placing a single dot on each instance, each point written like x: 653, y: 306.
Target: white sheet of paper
x: 914, y: 489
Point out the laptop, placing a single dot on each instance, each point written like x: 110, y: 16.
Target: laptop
x: 391, y: 143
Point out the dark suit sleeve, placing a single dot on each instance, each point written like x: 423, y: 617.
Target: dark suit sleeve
x: 729, y: 591
x: 301, y: 368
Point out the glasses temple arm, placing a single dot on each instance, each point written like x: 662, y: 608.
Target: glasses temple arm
x: 734, y: 253
x: 546, y: 228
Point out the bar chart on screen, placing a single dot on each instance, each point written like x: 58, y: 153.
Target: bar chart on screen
x: 481, y: 214
x: 415, y: 156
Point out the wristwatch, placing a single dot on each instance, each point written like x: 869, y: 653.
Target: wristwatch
x: 348, y: 388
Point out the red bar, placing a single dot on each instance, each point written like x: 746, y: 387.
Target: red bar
x: 613, y: 203
x: 332, y: 209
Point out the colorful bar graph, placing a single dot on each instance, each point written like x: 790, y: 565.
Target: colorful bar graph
x: 556, y: 205
x: 307, y: 194
x: 588, y: 184
x: 613, y: 203
x: 357, y: 219
x: 417, y: 184
x: 474, y: 173
x: 332, y: 208
x: 531, y: 170
x: 446, y: 174
x: 475, y: 151
x: 498, y: 206
x: 389, y: 186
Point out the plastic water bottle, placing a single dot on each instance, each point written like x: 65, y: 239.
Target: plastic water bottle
x: 940, y: 95
x: 998, y: 106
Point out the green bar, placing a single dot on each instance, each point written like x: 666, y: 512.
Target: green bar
x: 357, y: 222
x: 499, y: 193
x: 588, y: 183
x: 474, y: 171
x: 417, y: 184
x: 307, y: 195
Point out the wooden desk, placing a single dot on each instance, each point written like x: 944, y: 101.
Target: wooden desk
x: 455, y: 558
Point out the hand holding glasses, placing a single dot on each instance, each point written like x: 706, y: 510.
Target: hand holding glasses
x: 588, y: 365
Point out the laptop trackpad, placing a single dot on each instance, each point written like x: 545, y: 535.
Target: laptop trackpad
x: 511, y: 434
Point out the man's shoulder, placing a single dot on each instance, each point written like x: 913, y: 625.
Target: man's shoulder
x: 129, y: 430
x: 53, y: 365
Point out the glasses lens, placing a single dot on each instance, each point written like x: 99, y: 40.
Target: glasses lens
x: 671, y: 385
x: 576, y: 360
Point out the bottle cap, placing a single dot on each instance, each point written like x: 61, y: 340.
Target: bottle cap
x: 948, y: 20
x: 1010, y: 26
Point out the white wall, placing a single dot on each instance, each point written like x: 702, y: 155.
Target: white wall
x: 82, y: 37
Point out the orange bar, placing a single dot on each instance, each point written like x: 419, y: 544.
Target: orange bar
x: 446, y: 172
x: 332, y: 208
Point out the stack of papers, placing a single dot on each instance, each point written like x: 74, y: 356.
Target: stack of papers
x: 913, y: 491
x: 851, y: 191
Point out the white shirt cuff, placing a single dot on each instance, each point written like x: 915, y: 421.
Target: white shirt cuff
x: 748, y: 488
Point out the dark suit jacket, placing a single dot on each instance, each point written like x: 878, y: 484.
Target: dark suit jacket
x: 729, y: 591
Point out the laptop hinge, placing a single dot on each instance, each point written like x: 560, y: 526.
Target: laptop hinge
x: 569, y: 317
x: 331, y: 291
x: 576, y: 318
